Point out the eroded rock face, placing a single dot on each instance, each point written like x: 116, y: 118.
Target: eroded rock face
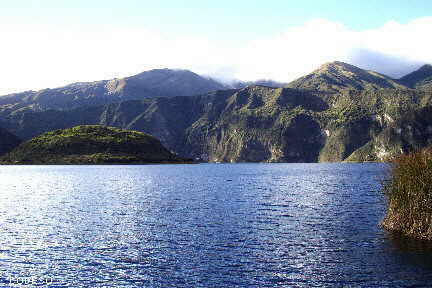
x: 410, y: 133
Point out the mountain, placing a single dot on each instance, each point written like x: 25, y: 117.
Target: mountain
x: 149, y: 84
x: 337, y: 76
x: 254, y: 124
x: 420, y: 78
x: 8, y: 141
x: 167, y: 83
x: 91, y: 145
x: 354, y: 119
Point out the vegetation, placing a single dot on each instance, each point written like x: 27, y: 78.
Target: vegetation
x: 91, y: 145
x: 409, y: 194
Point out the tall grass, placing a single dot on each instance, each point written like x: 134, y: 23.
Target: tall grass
x: 409, y: 195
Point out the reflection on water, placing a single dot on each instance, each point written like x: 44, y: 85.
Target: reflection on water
x: 407, y: 244
x: 412, y: 252
x: 233, y: 225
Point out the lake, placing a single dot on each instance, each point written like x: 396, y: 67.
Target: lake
x: 206, y: 225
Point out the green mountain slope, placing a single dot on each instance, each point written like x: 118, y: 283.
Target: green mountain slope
x: 252, y: 124
x: 91, y: 145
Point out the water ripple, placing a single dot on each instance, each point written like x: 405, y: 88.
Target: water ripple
x: 228, y: 225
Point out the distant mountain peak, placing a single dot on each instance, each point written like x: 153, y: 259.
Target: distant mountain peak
x: 336, y: 76
x: 338, y: 67
x: 166, y: 72
x: 148, y: 84
x: 337, y: 64
x: 173, y: 82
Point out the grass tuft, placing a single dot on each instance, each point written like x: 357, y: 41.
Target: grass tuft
x: 409, y: 195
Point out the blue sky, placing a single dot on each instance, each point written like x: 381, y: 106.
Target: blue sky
x: 235, y: 19
x: 61, y: 41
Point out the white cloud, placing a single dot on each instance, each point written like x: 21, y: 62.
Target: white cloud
x: 393, y: 49
x: 295, y: 52
x: 35, y: 57
x: 38, y: 56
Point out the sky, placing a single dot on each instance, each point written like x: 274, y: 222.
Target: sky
x: 50, y: 43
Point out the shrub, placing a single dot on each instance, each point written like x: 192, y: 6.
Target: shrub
x: 409, y: 194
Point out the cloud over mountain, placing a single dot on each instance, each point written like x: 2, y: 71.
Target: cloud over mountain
x: 394, y: 49
x: 38, y: 56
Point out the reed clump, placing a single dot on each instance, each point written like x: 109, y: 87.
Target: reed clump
x: 409, y: 195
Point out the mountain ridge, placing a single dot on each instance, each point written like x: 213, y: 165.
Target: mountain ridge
x: 254, y: 124
x: 343, y: 121
x: 148, y: 84
x: 332, y: 77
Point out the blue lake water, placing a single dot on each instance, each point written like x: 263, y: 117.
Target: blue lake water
x: 206, y: 225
